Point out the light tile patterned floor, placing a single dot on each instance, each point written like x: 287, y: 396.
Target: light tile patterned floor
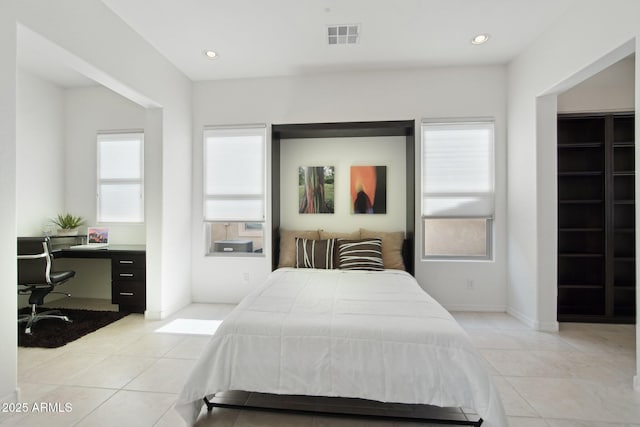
x: 127, y: 375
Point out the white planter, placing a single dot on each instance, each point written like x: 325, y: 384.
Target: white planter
x: 67, y: 231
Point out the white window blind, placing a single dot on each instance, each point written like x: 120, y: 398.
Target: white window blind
x: 120, y: 190
x: 457, y: 171
x: 234, y: 174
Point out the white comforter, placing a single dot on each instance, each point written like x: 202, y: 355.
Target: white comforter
x: 370, y: 335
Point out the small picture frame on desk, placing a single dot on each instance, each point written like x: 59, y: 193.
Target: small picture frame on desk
x: 97, y: 235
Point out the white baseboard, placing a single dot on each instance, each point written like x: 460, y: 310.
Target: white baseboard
x: 471, y: 307
x: 553, y: 326
x: 521, y: 317
x: 168, y: 311
x: 11, y: 397
x: 154, y: 315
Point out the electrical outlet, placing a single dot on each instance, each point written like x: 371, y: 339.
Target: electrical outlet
x: 470, y: 284
x: 245, y: 277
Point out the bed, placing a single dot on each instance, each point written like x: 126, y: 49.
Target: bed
x: 372, y: 335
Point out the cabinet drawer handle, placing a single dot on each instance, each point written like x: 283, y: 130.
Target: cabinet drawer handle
x: 126, y: 274
x: 125, y: 261
x: 126, y: 294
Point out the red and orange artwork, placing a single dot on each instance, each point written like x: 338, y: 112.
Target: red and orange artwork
x: 369, y: 189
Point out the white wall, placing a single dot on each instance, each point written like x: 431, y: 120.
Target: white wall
x: 610, y: 90
x: 130, y: 66
x: 87, y: 111
x: 567, y: 53
x: 40, y: 156
x: 344, y: 97
x: 567, y: 49
x: 56, y: 154
x: 342, y: 153
x: 8, y: 309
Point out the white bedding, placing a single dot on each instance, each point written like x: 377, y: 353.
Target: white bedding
x: 370, y: 335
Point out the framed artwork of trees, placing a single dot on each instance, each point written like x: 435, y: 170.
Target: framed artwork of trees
x: 316, y: 189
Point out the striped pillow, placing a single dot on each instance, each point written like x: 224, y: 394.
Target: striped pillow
x: 363, y: 254
x: 314, y: 253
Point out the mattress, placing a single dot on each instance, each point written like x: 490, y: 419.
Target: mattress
x: 336, y: 333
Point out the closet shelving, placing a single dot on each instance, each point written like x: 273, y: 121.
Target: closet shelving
x: 596, y: 218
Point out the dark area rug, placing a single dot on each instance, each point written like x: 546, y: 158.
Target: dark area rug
x: 53, y: 333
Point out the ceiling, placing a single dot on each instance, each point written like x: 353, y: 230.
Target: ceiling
x: 260, y: 38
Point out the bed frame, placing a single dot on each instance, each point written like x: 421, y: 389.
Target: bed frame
x: 407, y: 257
x: 402, y: 128
x: 408, y: 415
x: 385, y: 411
x: 406, y: 128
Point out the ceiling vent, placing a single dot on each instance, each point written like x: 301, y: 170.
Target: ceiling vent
x: 343, y: 34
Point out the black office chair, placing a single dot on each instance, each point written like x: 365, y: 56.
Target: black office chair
x: 36, y: 278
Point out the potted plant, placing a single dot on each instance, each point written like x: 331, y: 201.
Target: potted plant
x: 67, y: 224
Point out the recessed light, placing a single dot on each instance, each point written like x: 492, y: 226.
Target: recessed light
x: 480, y: 38
x: 210, y: 54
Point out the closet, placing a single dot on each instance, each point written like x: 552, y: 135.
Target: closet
x: 596, y: 218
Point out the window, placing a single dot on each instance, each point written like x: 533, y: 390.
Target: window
x: 457, y: 190
x: 234, y: 189
x: 120, y: 177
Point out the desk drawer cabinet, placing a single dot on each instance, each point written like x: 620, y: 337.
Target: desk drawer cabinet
x: 128, y: 282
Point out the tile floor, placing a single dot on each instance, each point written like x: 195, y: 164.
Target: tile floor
x: 128, y: 375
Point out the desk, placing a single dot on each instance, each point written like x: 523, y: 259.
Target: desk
x: 128, y: 272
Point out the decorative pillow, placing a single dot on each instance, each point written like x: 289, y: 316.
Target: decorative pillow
x: 354, y: 235
x: 314, y: 253
x: 392, y: 243
x: 288, y: 245
x: 339, y: 235
x: 362, y: 254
